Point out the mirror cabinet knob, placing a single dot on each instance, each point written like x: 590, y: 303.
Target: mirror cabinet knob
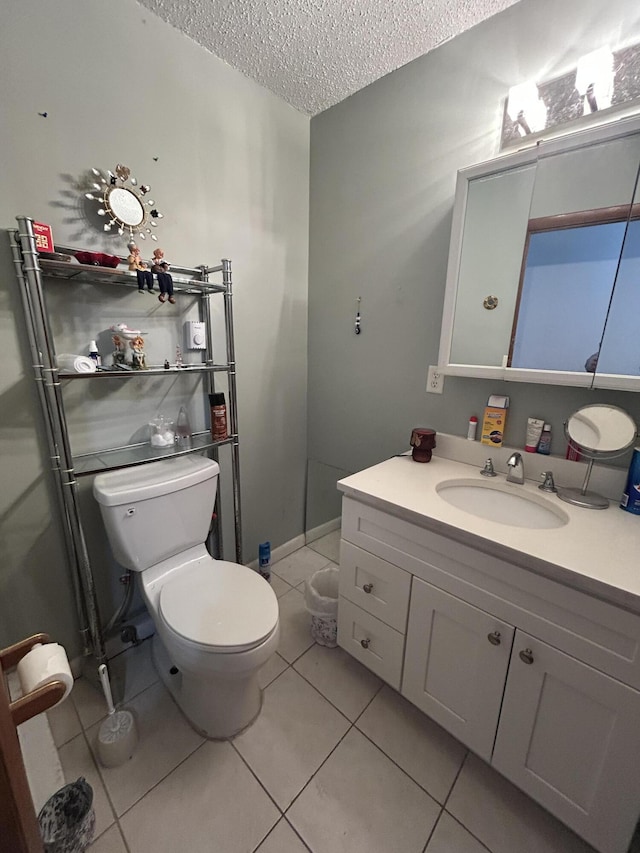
x: 365, y: 643
x: 368, y: 587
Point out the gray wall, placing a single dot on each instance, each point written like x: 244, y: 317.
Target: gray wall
x: 231, y: 178
x: 383, y: 171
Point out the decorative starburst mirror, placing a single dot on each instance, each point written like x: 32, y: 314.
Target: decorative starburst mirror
x: 124, y: 203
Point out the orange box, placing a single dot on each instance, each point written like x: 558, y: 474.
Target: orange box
x: 493, y: 424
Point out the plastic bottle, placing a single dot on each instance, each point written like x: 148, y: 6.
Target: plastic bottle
x: 264, y: 560
x: 544, y: 445
x: 473, y: 426
x: 183, y: 428
x: 631, y: 495
x: 94, y: 354
x: 218, y: 417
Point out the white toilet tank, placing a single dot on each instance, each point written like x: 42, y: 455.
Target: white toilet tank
x: 154, y: 511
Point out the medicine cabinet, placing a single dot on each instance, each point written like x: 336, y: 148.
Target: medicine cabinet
x: 544, y: 264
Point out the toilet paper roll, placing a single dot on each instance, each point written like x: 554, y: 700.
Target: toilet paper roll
x: 42, y: 665
x: 70, y: 363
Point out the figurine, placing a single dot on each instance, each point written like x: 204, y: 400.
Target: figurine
x: 138, y: 358
x: 161, y: 268
x: 143, y: 274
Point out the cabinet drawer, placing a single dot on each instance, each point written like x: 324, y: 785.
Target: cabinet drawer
x: 375, y: 585
x: 376, y: 645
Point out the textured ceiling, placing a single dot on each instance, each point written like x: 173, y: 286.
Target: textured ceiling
x: 315, y: 53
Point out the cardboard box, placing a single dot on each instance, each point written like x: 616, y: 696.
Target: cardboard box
x: 494, y: 421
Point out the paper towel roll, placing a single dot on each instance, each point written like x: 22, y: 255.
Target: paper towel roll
x: 76, y: 363
x: 42, y: 665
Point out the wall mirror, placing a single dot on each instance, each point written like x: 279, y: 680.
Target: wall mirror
x: 544, y: 255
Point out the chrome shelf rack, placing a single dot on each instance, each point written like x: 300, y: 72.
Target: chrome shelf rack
x: 31, y: 272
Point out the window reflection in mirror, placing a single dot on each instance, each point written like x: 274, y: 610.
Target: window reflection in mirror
x: 620, y: 348
x: 571, y: 264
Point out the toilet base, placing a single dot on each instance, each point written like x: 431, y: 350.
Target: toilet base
x: 217, y: 709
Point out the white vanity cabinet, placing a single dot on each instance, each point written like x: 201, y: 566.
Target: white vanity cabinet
x: 540, y: 680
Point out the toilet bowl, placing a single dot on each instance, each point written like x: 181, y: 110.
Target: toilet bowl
x: 216, y: 622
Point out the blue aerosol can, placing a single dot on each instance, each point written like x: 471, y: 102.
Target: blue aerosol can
x: 264, y: 560
x: 631, y: 495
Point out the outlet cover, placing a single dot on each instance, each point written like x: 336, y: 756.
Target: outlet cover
x: 435, y: 380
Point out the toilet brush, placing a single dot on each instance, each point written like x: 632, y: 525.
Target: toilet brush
x: 117, y: 736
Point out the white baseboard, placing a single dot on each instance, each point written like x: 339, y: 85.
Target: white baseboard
x: 282, y: 551
x: 322, y: 530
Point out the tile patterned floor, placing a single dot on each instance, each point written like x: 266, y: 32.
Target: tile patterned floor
x: 337, y: 762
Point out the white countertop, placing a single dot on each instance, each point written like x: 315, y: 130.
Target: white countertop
x: 597, y: 551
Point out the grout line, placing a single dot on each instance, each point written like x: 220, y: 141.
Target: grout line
x: 475, y: 837
x: 453, y: 784
x: 431, y: 834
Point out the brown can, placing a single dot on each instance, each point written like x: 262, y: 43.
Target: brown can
x: 218, y: 417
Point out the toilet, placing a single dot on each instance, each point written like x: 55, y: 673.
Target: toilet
x: 216, y: 622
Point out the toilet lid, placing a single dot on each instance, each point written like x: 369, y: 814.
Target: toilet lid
x: 220, y: 604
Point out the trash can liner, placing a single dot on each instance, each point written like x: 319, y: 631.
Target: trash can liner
x: 321, y: 600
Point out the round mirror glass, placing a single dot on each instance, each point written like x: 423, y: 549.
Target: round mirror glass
x: 125, y: 206
x: 600, y: 428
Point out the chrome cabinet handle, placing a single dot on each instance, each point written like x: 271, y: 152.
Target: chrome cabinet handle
x: 526, y: 656
x: 365, y: 643
x: 495, y: 638
x: 368, y: 587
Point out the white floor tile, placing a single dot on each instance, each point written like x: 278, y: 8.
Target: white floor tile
x: 282, y: 839
x: 360, y: 802
x: 110, y: 842
x: 279, y: 586
x: 210, y: 804
x: 295, y: 626
x: 340, y: 678
x: 299, y: 566
x: 293, y: 735
x: 422, y: 748
x: 89, y: 702
x: 271, y: 670
x: 328, y: 546
x: 77, y: 760
x: 450, y: 837
x: 504, y: 818
x: 165, y: 739
x: 64, y: 722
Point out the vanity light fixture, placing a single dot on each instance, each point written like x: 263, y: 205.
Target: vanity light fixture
x: 594, y: 80
x: 603, y: 81
x: 526, y: 109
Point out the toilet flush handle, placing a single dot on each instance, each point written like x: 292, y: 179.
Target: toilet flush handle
x: 131, y: 511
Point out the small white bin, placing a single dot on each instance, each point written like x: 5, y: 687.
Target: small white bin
x: 321, y: 599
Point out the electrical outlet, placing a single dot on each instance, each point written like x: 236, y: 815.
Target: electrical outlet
x: 435, y: 380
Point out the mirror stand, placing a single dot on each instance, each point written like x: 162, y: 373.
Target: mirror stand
x: 581, y: 496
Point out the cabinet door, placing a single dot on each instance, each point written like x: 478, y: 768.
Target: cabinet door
x: 570, y: 737
x: 456, y: 664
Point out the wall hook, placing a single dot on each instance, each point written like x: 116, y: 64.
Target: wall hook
x: 356, y: 327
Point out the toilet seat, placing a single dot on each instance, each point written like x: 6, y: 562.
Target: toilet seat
x: 218, y: 606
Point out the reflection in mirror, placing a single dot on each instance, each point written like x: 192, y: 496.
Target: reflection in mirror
x: 598, y: 431
x: 620, y: 346
x: 568, y: 272
x: 579, y: 211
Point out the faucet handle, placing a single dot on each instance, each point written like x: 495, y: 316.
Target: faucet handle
x: 488, y: 471
x: 548, y: 485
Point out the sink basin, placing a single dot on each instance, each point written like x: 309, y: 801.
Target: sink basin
x: 503, y: 503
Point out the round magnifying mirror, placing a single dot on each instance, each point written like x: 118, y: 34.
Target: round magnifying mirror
x: 601, y: 429
x: 125, y: 207
x: 598, y: 431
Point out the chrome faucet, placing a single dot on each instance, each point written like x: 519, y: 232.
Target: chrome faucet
x: 515, y: 474
x: 548, y: 485
x: 488, y: 471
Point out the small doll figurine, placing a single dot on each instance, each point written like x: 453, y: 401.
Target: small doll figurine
x: 161, y: 268
x: 138, y: 357
x: 143, y: 273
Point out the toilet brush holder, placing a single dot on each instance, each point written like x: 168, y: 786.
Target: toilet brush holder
x: 117, y: 735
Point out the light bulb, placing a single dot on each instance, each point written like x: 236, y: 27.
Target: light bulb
x: 107, y: 226
x: 133, y: 181
x: 101, y: 212
x: 153, y: 237
x: 90, y: 197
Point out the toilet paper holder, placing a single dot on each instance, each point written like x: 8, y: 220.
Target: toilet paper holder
x: 39, y: 700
